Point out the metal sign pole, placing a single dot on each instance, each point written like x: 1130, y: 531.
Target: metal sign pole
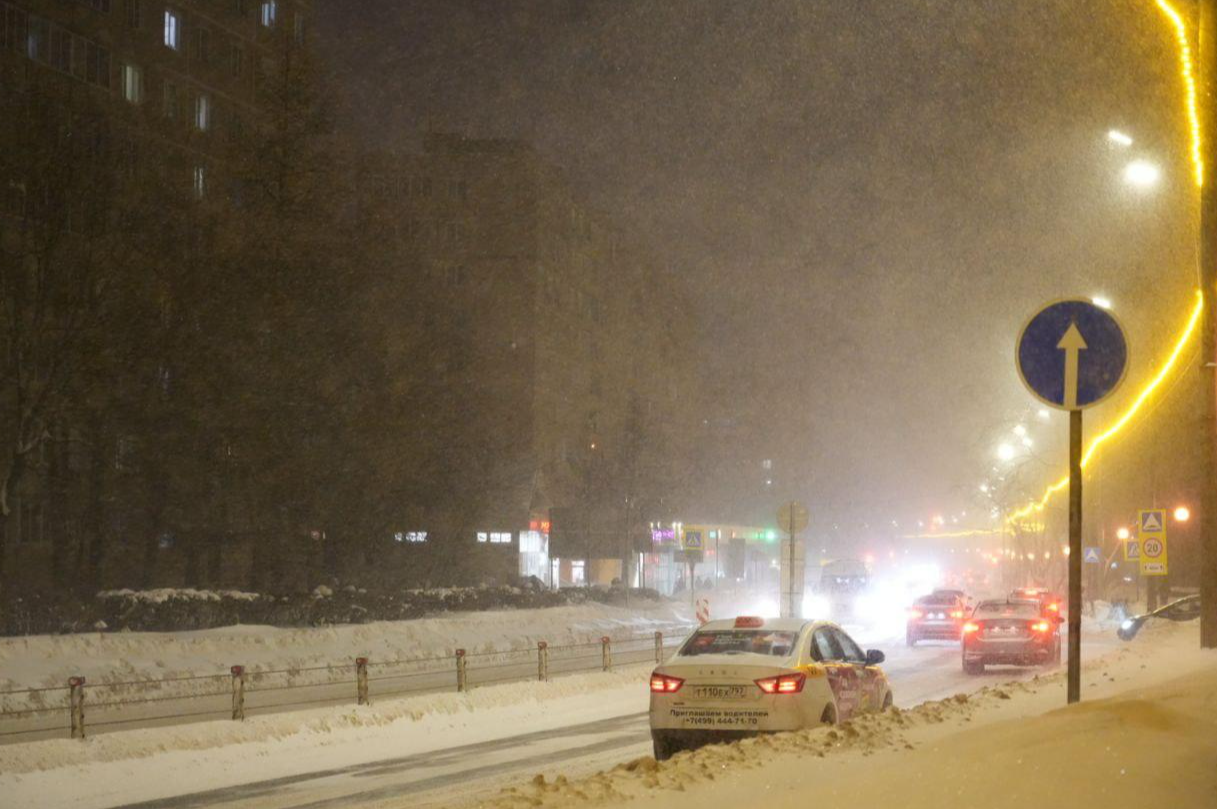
x: 1075, y: 556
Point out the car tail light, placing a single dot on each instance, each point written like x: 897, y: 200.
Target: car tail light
x: 1041, y: 626
x: 1054, y: 607
x: 663, y: 684
x: 916, y: 614
x: 783, y: 683
x: 970, y: 627
x: 957, y: 613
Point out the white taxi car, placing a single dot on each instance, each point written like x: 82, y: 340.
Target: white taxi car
x: 737, y: 678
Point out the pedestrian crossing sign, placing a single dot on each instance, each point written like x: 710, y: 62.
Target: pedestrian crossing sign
x: 1132, y: 550
x: 1153, y: 521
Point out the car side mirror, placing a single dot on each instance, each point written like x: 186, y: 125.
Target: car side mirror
x: 874, y: 657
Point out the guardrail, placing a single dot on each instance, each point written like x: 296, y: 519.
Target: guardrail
x: 27, y: 714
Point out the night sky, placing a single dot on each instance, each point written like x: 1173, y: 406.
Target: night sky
x: 867, y: 197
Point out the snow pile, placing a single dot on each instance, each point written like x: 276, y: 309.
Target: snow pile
x: 48, y: 660
x: 1152, y: 742
x: 161, y: 595
x: 408, y: 721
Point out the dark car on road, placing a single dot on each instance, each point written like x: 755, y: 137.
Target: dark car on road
x: 938, y: 616
x: 1185, y: 609
x: 1051, y: 604
x: 1010, y: 632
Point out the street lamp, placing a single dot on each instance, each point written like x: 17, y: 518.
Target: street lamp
x: 1141, y: 174
x: 1101, y: 302
x: 1119, y: 138
x: 1182, y: 514
x: 1122, y: 533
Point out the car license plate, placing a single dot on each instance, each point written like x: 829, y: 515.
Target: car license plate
x: 1004, y: 631
x: 720, y: 692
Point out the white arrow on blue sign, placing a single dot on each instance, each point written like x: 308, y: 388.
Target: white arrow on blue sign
x: 1072, y: 354
x: 1092, y: 555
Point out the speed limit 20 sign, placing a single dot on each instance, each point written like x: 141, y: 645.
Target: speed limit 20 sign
x: 1153, y: 542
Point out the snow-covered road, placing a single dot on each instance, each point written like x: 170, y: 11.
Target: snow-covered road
x: 454, y: 774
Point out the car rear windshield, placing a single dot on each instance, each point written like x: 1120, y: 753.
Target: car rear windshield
x: 739, y: 641
x: 1001, y: 609
x: 936, y: 601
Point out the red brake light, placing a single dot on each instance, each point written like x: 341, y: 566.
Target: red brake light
x: 1042, y: 626
x: 1055, y: 607
x: 663, y: 684
x: 970, y: 627
x: 749, y: 622
x: 783, y: 683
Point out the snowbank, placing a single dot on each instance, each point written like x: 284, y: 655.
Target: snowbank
x: 1146, y: 735
x: 48, y: 660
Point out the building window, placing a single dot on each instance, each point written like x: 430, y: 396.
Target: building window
x: 236, y: 60
x: 133, y: 84
x: 172, y: 104
x: 202, y: 112
x: 37, y: 37
x: 15, y: 26
x: 97, y: 65
x: 173, y: 29
x: 61, y: 50
x: 202, y: 45
x: 134, y: 13
x: 270, y: 13
x: 411, y: 537
x: 495, y: 537
x: 200, y: 181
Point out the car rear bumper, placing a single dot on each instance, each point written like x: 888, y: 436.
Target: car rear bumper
x: 690, y: 739
x: 1017, y: 653
x: 935, y: 630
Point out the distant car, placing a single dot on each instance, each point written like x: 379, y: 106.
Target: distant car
x: 938, y: 616
x: 1011, y: 632
x: 960, y: 594
x: 742, y: 677
x: 1184, y: 609
x: 1051, y: 604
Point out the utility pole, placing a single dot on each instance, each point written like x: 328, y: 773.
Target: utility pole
x: 1207, y: 102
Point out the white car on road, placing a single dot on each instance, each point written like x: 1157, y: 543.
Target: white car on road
x: 737, y: 678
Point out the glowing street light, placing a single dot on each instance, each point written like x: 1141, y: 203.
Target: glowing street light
x: 1182, y: 514
x: 1119, y: 138
x: 1141, y: 174
x: 1101, y: 302
x: 1122, y: 533
x: 1005, y: 452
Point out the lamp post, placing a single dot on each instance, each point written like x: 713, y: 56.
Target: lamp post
x: 1207, y: 505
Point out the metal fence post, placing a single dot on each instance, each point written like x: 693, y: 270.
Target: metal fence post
x: 238, y: 692
x: 461, y: 682
x: 76, y: 702
x: 606, y: 653
x: 361, y: 680
x: 542, y: 660
x: 658, y: 647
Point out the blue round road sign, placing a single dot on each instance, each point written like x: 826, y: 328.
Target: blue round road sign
x: 1072, y: 354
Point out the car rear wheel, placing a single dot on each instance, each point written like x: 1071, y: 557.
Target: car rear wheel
x: 910, y: 639
x: 887, y: 701
x: 973, y: 667
x: 829, y: 715
x: 664, y: 748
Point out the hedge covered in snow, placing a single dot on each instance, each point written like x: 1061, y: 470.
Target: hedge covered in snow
x: 170, y: 610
